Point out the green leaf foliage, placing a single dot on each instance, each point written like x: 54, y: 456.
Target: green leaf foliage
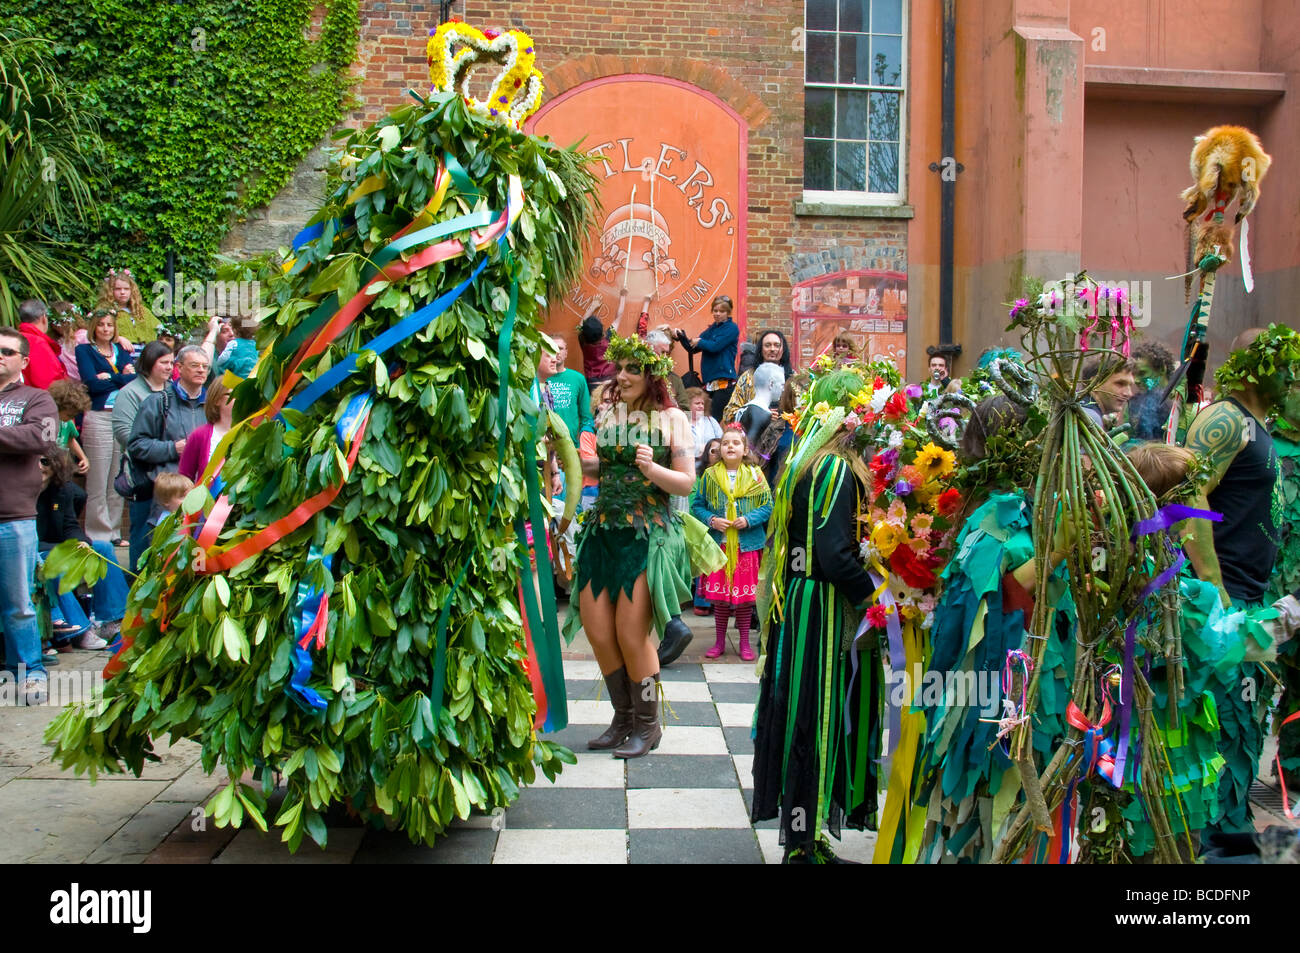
x: 413, y: 510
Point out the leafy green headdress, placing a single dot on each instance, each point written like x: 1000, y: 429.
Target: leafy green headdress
x: 1270, y: 365
x: 634, y: 350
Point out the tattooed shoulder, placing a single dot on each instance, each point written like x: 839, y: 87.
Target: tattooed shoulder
x: 1219, y: 433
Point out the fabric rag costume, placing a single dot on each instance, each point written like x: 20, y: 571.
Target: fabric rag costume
x: 969, y: 783
x: 805, y: 766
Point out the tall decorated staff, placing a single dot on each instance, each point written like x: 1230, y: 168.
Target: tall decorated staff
x: 1121, y: 568
x: 340, y: 600
x: 1228, y: 163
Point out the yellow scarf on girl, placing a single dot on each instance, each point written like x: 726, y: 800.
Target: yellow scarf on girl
x: 721, y: 495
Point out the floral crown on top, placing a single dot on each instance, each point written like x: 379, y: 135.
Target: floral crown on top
x: 635, y: 350
x: 455, y: 48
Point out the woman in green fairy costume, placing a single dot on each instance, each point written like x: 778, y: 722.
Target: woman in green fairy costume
x: 632, y: 560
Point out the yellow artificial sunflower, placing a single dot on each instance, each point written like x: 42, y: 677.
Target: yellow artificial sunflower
x: 935, y: 462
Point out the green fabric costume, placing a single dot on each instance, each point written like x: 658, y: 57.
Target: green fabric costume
x: 1286, y: 580
x: 968, y: 783
x: 632, y: 529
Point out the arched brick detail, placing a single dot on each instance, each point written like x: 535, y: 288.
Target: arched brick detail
x: 578, y: 70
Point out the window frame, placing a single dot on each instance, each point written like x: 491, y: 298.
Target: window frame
x: 862, y: 197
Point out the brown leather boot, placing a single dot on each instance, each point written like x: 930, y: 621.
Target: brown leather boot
x: 620, y: 696
x: 646, y: 732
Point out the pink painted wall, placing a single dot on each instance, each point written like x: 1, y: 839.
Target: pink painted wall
x: 1172, y: 34
x: 1136, y: 154
x: 1058, y: 177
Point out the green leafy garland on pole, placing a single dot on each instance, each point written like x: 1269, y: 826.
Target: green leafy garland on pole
x: 410, y: 442
x: 1089, y: 498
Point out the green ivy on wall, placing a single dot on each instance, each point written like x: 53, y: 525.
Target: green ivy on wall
x: 207, y: 106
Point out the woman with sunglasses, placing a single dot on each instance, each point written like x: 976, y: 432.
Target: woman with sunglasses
x: 632, y: 563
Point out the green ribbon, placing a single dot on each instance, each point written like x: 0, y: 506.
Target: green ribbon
x: 503, y: 429
x: 546, y: 638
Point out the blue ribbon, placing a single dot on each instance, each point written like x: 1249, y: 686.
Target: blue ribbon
x: 308, y: 605
x: 894, y: 628
x: 1169, y: 515
x: 393, y: 336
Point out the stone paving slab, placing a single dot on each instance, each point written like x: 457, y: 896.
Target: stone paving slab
x: 251, y: 846
x: 576, y: 846
x: 64, y: 821
x: 137, y: 838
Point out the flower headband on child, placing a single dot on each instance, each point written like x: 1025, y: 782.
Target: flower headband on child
x: 634, y: 350
x: 120, y: 273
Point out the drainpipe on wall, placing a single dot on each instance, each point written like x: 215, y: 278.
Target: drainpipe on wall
x: 948, y: 170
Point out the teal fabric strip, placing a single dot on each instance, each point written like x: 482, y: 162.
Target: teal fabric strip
x: 503, y: 429
x: 546, y: 641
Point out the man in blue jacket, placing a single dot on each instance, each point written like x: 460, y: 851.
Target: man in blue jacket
x: 717, y: 343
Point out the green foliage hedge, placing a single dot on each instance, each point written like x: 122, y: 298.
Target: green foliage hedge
x: 207, y: 106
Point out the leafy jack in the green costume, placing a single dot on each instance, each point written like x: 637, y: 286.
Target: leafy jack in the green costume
x: 412, y: 510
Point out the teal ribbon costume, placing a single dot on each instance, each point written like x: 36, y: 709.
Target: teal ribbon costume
x: 819, y: 715
x: 968, y: 784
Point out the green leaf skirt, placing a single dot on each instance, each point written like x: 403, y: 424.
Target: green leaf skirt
x: 611, y: 559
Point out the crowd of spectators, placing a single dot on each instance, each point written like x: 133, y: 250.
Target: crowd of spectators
x: 102, y: 415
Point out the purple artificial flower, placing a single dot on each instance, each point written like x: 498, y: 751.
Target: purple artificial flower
x: 889, y: 456
x: 1017, y: 306
x: 902, y: 488
x: 913, y: 391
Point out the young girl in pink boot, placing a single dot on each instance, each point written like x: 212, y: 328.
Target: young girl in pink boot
x: 733, y: 499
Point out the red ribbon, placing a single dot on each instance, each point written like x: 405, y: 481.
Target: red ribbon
x: 272, y: 534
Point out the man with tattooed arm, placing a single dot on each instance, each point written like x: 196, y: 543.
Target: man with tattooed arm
x: 1237, y: 554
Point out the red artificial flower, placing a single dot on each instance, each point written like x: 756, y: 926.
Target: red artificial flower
x: 914, y: 570
x: 877, y: 616
x: 948, y: 502
x: 896, y: 406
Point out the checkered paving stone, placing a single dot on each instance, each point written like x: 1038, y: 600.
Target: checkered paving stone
x: 686, y: 802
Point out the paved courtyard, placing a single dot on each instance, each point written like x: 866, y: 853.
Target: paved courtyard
x: 688, y: 802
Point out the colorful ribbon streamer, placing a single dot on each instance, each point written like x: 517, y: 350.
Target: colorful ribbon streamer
x: 311, y: 620
x: 897, y: 655
x: 1098, y: 754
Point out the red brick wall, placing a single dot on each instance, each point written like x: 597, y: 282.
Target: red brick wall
x: 744, y: 54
